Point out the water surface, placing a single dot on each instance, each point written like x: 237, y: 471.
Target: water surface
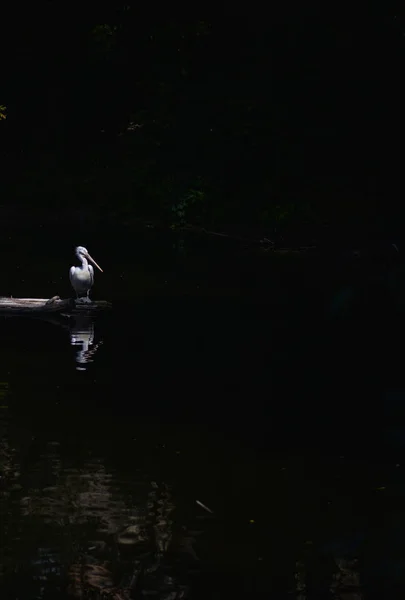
x: 222, y: 433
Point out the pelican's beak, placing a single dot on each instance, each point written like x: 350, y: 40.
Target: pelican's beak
x: 93, y: 261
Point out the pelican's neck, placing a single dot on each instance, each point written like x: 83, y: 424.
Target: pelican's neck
x: 84, y: 262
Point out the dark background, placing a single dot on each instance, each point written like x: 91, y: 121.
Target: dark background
x: 238, y: 177
x: 288, y: 123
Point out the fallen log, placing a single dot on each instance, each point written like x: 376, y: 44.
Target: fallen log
x: 39, y: 306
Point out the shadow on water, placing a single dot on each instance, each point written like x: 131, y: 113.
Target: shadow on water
x: 208, y: 444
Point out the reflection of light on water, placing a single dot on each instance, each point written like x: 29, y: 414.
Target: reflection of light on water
x: 109, y: 535
x: 82, y: 336
x: 345, y: 580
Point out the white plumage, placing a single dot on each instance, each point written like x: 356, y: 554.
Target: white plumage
x: 82, y: 278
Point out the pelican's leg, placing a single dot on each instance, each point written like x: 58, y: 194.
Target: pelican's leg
x: 88, y: 296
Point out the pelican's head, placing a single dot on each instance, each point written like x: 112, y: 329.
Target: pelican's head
x: 82, y: 252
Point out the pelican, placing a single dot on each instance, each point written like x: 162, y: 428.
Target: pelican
x: 82, y: 278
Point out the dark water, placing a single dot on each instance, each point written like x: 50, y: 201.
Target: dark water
x: 269, y: 391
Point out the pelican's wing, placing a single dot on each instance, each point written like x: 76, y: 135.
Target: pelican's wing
x: 91, y: 271
x: 71, y: 273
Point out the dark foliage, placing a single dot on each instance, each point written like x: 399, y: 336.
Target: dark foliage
x: 290, y: 121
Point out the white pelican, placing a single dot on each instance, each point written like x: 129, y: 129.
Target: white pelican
x: 82, y: 278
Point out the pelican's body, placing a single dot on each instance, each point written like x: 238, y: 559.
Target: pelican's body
x: 82, y: 278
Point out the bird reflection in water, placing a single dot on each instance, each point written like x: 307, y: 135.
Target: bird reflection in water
x: 82, y: 335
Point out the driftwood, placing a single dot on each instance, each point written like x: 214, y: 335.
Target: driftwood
x: 40, y: 306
